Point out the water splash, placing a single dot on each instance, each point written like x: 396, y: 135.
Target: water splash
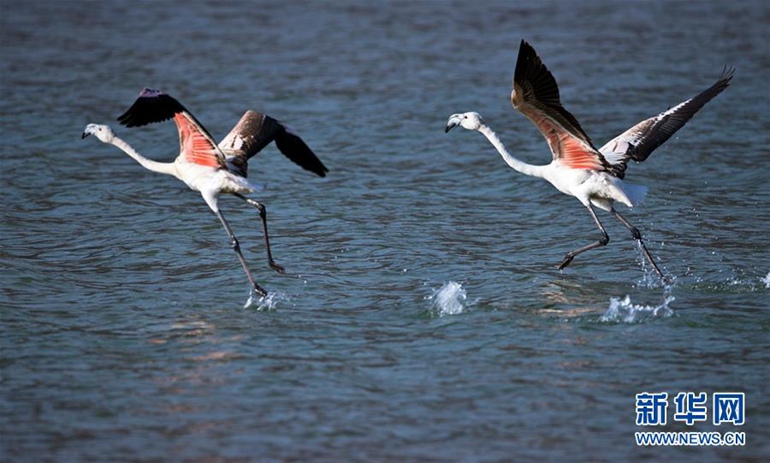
x: 650, y: 278
x: 624, y: 311
x: 269, y: 302
x: 449, y: 299
x: 736, y: 283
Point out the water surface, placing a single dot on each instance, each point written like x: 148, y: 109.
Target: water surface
x: 421, y: 317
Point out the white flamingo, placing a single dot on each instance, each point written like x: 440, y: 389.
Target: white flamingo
x: 593, y: 176
x: 207, y: 167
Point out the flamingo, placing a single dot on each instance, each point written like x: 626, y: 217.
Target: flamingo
x: 593, y: 176
x: 207, y: 167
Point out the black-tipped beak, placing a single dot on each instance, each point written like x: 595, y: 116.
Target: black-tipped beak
x: 453, y: 121
x: 85, y: 134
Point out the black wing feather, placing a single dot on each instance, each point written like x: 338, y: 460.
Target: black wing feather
x: 294, y: 148
x: 642, y: 139
x: 534, y: 78
x: 151, y: 106
x: 255, y: 131
x: 674, y: 119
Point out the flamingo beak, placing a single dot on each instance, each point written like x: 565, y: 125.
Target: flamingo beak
x: 85, y: 134
x: 453, y: 121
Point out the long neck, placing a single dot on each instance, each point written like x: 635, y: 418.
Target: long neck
x: 149, y: 164
x: 523, y: 167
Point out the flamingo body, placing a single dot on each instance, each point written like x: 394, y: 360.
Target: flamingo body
x: 209, y: 168
x: 594, y: 176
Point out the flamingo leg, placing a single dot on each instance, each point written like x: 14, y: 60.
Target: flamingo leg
x: 263, y: 215
x: 638, y: 237
x: 602, y: 241
x: 237, y: 248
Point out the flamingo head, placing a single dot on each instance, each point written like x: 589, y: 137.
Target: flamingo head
x: 102, y: 132
x: 469, y: 121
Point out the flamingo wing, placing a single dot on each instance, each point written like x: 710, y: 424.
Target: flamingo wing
x: 536, y: 95
x: 255, y: 131
x: 640, y: 141
x: 195, y: 143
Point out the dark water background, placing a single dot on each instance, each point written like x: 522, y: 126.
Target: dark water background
x: 421, y: 317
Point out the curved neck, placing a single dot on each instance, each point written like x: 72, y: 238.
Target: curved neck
x: 523, y: 167
x: 149, y: 164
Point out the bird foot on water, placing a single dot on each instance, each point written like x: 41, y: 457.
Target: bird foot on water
x: 567, y: 260
x: 259, y: 291
x: 277, y: 268
x: 667, y: 280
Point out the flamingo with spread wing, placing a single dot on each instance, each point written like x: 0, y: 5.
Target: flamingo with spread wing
x: 594, y: 176
x: 208, y: 167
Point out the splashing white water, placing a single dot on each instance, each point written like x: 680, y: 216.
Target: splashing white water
x: 449, y: 299
x: 737, y: 282
x: 269, y: 302
x: 623, y: 311
x: 650, y: 278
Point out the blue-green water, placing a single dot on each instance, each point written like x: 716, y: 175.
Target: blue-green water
x: 421, y: 317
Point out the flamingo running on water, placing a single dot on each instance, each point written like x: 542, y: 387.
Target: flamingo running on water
x: 593, y: 176
x: 207, y: 167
